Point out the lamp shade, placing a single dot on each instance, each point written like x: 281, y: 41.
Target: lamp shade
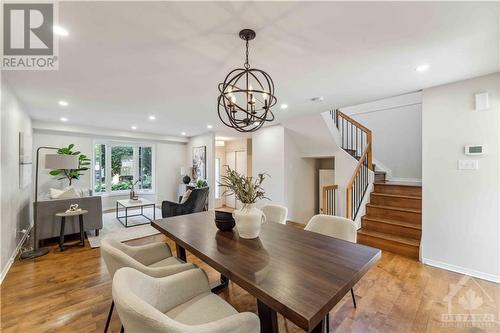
x: 59, y: 161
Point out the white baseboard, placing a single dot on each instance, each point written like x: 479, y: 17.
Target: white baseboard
x: 14, y: 255
x: 462, y: 270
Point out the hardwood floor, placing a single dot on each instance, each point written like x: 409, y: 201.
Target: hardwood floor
x: 71, y: 292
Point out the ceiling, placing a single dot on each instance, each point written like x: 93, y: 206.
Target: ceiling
x: 124, y: 61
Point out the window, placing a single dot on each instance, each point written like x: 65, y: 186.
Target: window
x: 119, y: 166
x: 100, y: 168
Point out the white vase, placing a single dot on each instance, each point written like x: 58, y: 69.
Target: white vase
x: 248, y: 221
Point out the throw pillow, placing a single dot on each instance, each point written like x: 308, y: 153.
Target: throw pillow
x: 185, y: 197
x: 68, y: 193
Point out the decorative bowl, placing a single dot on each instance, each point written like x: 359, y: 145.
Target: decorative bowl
x: 224, y: 221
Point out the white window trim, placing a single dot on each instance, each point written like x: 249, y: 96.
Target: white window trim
x: 109, y: 144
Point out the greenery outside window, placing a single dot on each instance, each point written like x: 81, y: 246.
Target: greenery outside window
x: 117, y: 166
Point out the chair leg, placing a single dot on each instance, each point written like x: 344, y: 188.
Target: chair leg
x: 109, y: 316
x: 353, y: 298
x: 122, y: 329
x: 327, y: 321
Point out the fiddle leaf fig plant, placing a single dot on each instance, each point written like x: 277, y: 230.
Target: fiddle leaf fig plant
x: 246, y: 189
x: 71, y: 174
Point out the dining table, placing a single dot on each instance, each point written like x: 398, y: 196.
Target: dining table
x: 299, y: 274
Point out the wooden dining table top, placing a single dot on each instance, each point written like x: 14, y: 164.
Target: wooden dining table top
x: 297, y: 273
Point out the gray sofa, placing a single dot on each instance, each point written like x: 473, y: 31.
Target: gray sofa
x: 48, y: 225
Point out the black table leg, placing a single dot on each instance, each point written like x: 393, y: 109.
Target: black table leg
x: 320, y: 328
x: 268, y: 318
x: 224, y: 282
x: 154, y: 212
x: 117, y: 210
x: 61, y: 234
x: 82, y: 234
x: 181, y: 252
x: 126, y: 217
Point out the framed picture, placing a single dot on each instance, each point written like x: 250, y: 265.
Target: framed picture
x: 199, y: 162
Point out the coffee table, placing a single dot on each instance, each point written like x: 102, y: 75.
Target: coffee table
x: 133, y: 204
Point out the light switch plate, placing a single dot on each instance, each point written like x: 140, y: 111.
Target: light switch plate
x: 468, y: 164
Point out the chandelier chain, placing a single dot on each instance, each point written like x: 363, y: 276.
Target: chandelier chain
x: 247, y: 64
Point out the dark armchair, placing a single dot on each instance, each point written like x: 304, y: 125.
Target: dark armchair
x: 195, y: 203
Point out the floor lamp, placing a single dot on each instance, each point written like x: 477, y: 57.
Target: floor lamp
x: 52, y: 161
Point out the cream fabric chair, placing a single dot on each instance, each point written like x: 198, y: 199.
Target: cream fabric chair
x: 180, y: 303
x: 333, y: 226
x: 338, y: 227
x: 153, y: 259
x: 275, y: 213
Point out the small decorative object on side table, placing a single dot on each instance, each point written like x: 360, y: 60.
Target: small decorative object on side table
x: 133, y: 195
x: 73, y: 211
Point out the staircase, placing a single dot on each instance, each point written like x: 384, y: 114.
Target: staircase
x: 393, y: 220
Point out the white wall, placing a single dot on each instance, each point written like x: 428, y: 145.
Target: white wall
x: 207, y: 140
x: 300, y: 182
x: 169, y: 159
x: 461, y: 208
x: 268, y: 155
x: 396, y: 125
x: 15, y: 202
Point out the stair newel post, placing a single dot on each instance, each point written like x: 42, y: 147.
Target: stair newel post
x: 370, y: 156
x: 348, y: 201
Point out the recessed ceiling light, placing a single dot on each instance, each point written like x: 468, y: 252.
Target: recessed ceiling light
x: 152, y: 117
x: 133, y: 127
x: 209, y: 126
x: 58, y: 30
x: 64, y: 119
x: 63, y: 103
x: 284, y: 106
x: 422, y: 68
x: 183, y: 133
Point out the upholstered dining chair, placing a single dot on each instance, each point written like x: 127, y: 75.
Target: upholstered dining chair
x: 180, y: 303
x: 338, y: 227
x: 275, y: 213
x: 154, y: 259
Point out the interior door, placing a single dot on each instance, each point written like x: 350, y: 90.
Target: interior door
x: 231, y: 163
x: 241, y: 168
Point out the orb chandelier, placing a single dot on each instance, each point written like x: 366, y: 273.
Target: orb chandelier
x: 246, y: 95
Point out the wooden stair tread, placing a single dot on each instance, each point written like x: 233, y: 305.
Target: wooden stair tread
x: 397, y: 195
x: 409, y: 210
x: 407, y: 184
x: 393, y: 222
x: 398, y: 239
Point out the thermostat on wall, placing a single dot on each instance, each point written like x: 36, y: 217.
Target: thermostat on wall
x: 475, y: 149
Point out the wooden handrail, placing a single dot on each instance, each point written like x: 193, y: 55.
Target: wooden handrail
x: 350, y: 184
x: 368, y: 133
x: 365, y: 129
x: 324, y: 206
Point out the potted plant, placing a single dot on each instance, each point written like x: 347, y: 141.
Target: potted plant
x: 247, y: 190
x: 71, y: 174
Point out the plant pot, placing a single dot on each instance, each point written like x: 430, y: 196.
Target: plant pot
x: 248, y: 221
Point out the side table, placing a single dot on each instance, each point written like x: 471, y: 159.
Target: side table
x: 63, y: 216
